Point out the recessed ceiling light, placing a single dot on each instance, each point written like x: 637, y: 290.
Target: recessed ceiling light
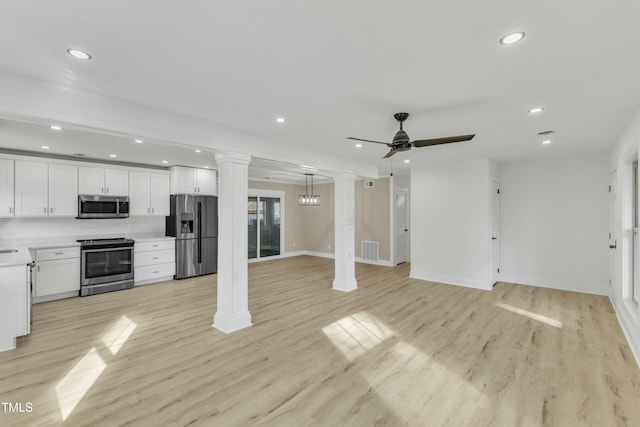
x: 536, y: 110
x: 546, y: 141
x: 138, y: 141
x: 512, y: 38
x: 281, y: 120
x: 358, y: 145
x: 198, y: 151
x: 112, y: 155
x: 407, y: 161
x: 165, y: 161
x: 78, y: 54
x: 54, y: 127
x: 45, y: 147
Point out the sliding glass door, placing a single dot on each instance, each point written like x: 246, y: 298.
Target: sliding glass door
x: 264, y: 222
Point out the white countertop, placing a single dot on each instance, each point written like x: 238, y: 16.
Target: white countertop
x: 20, y: 257
x: 66, y: 241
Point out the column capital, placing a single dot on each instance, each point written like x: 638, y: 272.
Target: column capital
x: 345, y: 177
x: 233, y: 158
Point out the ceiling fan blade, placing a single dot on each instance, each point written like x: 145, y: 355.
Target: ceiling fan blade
x: 438, y: 141
x: 390, y: 153
x: 368, y: 140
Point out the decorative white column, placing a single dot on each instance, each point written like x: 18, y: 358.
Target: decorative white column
x: 233, y: 291
x: 345, y: 279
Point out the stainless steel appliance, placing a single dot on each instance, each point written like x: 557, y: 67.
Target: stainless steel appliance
x: 193, y: 221
x: 105, y: 265
x: 93, y: 207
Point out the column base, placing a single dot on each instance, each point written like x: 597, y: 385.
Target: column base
x: 228, y: 324
x: 345, y: 285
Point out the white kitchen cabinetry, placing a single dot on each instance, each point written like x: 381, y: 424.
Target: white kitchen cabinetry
x: 154, y: 261
x: 63, y: 190
x: 149, y: 193
x: 193, y: 181
x: 57, y: 273
x: 6, y: 188
x: 31, y: 188
x: 94, y: 180
x: 14, y: 305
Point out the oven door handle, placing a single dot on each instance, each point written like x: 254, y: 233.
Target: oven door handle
x: 128, y: 248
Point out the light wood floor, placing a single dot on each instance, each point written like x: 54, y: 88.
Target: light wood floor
x: 397, y: 351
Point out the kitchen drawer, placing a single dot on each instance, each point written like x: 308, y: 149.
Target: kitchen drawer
x: 57, y: 253
x: 159, y: 245
x: 154, y: 257
x: 151, y: 272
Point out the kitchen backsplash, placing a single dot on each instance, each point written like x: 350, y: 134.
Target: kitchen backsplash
x: 18, y: 228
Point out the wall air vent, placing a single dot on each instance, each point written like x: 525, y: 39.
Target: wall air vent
x: 368, y: 184
x: 369, y: 250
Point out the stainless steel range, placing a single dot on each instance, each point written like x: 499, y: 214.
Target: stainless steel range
x: 105, y: 265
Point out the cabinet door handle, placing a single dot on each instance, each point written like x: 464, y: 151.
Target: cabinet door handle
x: 102, y: 189
x: 155, y: 246
x: 50, y: 210
x: 59, y: 253
x: 107, y: 190
x: 148, y: 210
x: 155, y: 257
x: 45, y: 210
x: 10, y: 209
x: 38, y: 269
x: 156, y: 272
x: 152, y: 210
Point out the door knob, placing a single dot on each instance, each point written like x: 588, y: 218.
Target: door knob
x: 612, y: 246
x: 406, y: 229
x: 494, y: 238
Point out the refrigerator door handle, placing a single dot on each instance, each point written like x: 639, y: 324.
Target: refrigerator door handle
x: 199, y: 232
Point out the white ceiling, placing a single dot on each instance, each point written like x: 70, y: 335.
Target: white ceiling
x: 216, y: 74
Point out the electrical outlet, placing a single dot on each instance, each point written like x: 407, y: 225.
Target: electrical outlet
x: 329, y: 245
x: 294, y: 244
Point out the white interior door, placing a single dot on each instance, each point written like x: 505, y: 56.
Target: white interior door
x: 613, y: 243
x: 495, y: 232
x: 402, y: 225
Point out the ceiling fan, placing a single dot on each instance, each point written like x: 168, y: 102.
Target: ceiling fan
x: 401, y: 141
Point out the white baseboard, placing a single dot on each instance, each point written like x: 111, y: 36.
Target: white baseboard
x: 151, y: 281
x: 320, y: 254
x: 586, y: 288
x: 632, y: 339
x: 451, y: 280
x: 229, y: 324
x: 63, y: 295
x: 382, y: 262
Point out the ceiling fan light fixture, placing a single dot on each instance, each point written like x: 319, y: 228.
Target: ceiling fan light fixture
x: 512, y: 38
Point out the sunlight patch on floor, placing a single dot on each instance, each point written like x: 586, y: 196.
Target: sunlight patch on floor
x: 119, y: 333
x: 539, y: 317
x: 355, y: 334
x: 407, y: 381
x: 75, y: 385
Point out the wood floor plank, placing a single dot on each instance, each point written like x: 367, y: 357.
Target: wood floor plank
x: 397, y: 351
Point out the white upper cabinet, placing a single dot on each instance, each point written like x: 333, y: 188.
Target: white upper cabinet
x: 63, y: 190
x: 6, y: 188
x: 193, y: 181
x: 149, y: 193
x: 31, y: 188
x: 160, y: 194
x: 112, y: 182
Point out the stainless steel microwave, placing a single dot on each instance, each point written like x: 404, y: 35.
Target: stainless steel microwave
x: 95, y: 207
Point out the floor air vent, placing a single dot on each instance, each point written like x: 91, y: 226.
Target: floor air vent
x: 369, y: 250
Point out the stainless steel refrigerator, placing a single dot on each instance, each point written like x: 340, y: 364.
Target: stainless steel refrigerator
x: 193, y: 221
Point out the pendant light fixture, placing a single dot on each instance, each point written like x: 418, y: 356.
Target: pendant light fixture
x: 307, y: 199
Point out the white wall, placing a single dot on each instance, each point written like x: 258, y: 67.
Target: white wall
x: 628, y: 312
x: 450, y: 239
x: 554, y: 223
x: 19, y: 228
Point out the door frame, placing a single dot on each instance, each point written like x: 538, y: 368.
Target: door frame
x: 258, y: 192
x: 396, y: 261
x: 494, y: 272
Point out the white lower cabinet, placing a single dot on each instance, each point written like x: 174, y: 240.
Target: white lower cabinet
x: 14, y: 305
x: 57, y: 273
x: 154, y: 261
